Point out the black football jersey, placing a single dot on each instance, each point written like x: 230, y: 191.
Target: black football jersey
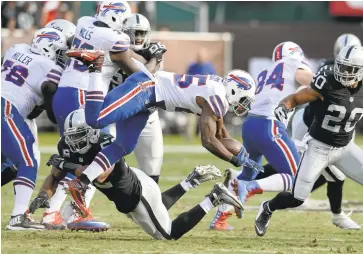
x: 122, y: 185
x: 336, y: 116
x: 309, y: 109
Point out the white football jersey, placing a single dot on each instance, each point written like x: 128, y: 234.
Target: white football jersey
x: 179, y: 92
x: 276, y: 83
x: 22, y: 75
x: 89, y: 36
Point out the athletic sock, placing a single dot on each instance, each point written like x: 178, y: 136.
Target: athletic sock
x: 172, y: 195
x: 90, y: 192
x: 187, y: 220
x: 335, y: 195
x: 206, y: 205
x: 186, y: 185
x: 283, y: 200
x: 276, y: 183
x: 8, y: 174
x: 56, y: 201
x: 22, y: 197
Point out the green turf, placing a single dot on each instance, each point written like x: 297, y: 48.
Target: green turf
x: 289, y: 232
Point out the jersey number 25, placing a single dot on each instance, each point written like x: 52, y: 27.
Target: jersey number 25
x: 275, y: 79
x: 17, y: 73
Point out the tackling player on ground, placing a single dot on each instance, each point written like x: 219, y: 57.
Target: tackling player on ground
x: 133, y: 192
x: 330, y: 135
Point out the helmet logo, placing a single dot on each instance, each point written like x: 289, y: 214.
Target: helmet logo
x: 295, y: 50
x: 51, y: 36
x: 242, y: 83
x: 116, y: 7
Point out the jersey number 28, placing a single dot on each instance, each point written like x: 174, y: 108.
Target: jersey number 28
x: 337, y: 119
x: 17, y: 73
x: 275, y: 79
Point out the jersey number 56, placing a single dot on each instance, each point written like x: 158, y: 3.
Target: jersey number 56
x: 17, y: 73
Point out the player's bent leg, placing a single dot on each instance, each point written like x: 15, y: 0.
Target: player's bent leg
x: 136, y: 94
x: 149, y: 150
x: 8, y: 170
x: 200, y: 174
x: 17, y: 145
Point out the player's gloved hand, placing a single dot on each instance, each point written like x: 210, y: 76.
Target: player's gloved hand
x: 61, y: 164
x: 39, y: 202
x: 281, y: 112
x: 93, y: 59
x: 155, y: 50
x: 250, y: 170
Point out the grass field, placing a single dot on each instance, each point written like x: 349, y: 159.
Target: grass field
x: 289, y: 232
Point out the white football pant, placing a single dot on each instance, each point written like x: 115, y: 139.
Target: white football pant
x: 348, y: 159
x: 299, y: 130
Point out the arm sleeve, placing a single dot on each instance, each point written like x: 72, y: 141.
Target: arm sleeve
x: 54, y: 74
x: 320, y: 83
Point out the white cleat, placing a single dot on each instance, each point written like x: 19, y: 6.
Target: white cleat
x: 203, y: 174
x: 344, y: 221
x: 221, y: 195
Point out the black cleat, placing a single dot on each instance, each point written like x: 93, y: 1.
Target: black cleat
x: 262, y: 219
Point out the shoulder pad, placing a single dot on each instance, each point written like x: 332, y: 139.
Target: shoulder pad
x: 119, y: 41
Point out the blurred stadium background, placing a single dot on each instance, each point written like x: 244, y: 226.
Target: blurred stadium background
x: 234, y: 35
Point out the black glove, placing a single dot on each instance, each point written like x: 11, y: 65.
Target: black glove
x: 155, y: 50
x: 281, y: 112
x: 39, y: 202
x: 63, y: 165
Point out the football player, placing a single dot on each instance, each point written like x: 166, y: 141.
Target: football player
x: 289, y: 71
x: 29, y: 78
x: 127, y: 105
x: 133, y: 192
x: 329, y: 141
x: 334, y: 177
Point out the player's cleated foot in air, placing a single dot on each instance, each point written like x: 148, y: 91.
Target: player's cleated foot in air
x: 203, y: 174
x: 24, y: 222
x: 77, y: 190
x: 93, y: 59
x: 262, y: 219
x: 344, y: 221
x: 221, y: 195
x: 220, y: 223
x: 53, y: 221
x: 244, y: 190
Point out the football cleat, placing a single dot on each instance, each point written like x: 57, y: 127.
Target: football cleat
x: 344, y: 221
x: 53, y: 221
x: 221, y: 195
x: 93, y: 59
x: 24, y: 222
x: 203, y: 174
x: 88, y: 224
x: 262, y: 219
x: 219, y: 221
x: 77, y: 189
x: 245, y: 190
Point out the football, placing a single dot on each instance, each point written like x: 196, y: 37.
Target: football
x: 232, y: 145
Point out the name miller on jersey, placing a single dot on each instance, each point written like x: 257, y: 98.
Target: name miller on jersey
x: 22, y: 58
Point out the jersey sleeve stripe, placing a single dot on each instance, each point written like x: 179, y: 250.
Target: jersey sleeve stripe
x: 121, y: 47
x: 56, y: 72
x: 94, y: 92
x: 221, y: 106
x: 50, y: 76
x: 214, y: 107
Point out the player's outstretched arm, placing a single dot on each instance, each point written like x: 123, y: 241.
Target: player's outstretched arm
x: 221, y: 130
x: 47, y: 190
x: 301, y: 97
x: 127, y: 64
